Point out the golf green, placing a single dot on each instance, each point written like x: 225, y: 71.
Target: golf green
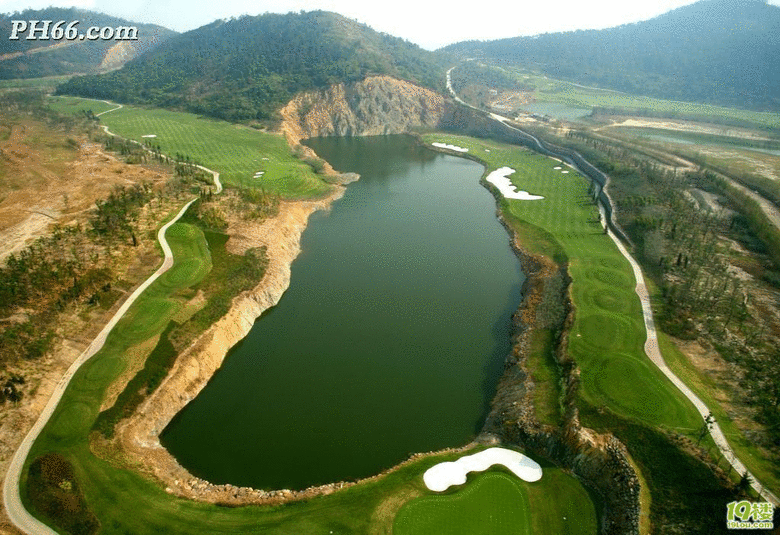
x: 495, y: 503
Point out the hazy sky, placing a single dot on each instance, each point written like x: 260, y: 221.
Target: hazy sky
x: 430, y: 24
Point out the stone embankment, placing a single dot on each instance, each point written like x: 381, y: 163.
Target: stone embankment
x: 139, y: 435
x: 600, y: 461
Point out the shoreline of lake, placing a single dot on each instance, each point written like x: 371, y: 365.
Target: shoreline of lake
x: 140, y: 435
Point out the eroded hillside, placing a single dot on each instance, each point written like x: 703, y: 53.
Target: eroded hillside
x: 375, y: 106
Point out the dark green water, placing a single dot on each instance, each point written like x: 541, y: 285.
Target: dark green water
x: 389, y: 341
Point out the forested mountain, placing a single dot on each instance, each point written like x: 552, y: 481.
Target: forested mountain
x: 33, y: 58
x: 716, y: 51
x: 246, y: 68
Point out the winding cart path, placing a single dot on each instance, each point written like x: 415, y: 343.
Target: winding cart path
x: 651, y: 344
x: 12, y: 501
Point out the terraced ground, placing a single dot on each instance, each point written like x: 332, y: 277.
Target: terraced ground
x: 608, y: 334
x: 237, y: 152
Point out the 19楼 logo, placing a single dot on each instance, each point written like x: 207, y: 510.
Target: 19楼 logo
x: 747, y: 515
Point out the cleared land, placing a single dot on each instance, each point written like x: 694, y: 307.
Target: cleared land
x: 47, y: 177
x: 608, y: 335
x: 237, y: 152
x: 578, y: 96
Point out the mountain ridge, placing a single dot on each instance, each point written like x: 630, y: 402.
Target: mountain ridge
x: 247, y: 68
x: 714, y: 51
x: 34, y: 58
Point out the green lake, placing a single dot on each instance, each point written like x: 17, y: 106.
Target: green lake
x: 389, y: 341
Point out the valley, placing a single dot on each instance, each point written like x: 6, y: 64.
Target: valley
x: 357, y: 283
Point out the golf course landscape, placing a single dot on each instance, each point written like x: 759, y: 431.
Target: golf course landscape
x: 497, y: 272
x: 237, y: 152
x: 608, y: 335
x: 108, y: 493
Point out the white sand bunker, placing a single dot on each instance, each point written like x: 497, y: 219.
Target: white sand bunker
x: 150, y: 135
x: 442, y: 476
x: 500, y: 179
x: 558, y: 168
x: 451, y: 147
x: 565, y: 172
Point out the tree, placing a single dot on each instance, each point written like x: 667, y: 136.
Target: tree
x: 706, y: 427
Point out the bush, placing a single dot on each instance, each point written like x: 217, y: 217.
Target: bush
x: 53, y: 491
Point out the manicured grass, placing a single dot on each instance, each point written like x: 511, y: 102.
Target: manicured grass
x: 69, y: 105
x: 496, y: 502
x: 69, y: 427
x: 237, y: 152
x: 127, y: 503
x: 608, y: 335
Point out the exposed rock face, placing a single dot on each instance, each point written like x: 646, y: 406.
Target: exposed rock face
x: 599, y: 460
x: 377, y: 105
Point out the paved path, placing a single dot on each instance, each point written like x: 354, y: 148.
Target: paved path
x: 651, y: 344
x: 12, y: 502
x: 118, y: 107
x: 11, y: 498
x: 654, y: 354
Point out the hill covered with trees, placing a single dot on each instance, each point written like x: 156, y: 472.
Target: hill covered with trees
x: 715, y: 51
x: 244, y: 69
x: 35, y: 58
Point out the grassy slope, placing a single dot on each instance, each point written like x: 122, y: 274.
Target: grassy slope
x: 47, y: 83
x: 69, y: 105
x: 235, y: 151
x: 493, y: 503
x: 766, y: 471
x: 608, y: 335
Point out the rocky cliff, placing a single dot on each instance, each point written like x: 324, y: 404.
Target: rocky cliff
x: 377, y: 105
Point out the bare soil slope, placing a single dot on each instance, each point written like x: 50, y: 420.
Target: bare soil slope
x: 47, y: 177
